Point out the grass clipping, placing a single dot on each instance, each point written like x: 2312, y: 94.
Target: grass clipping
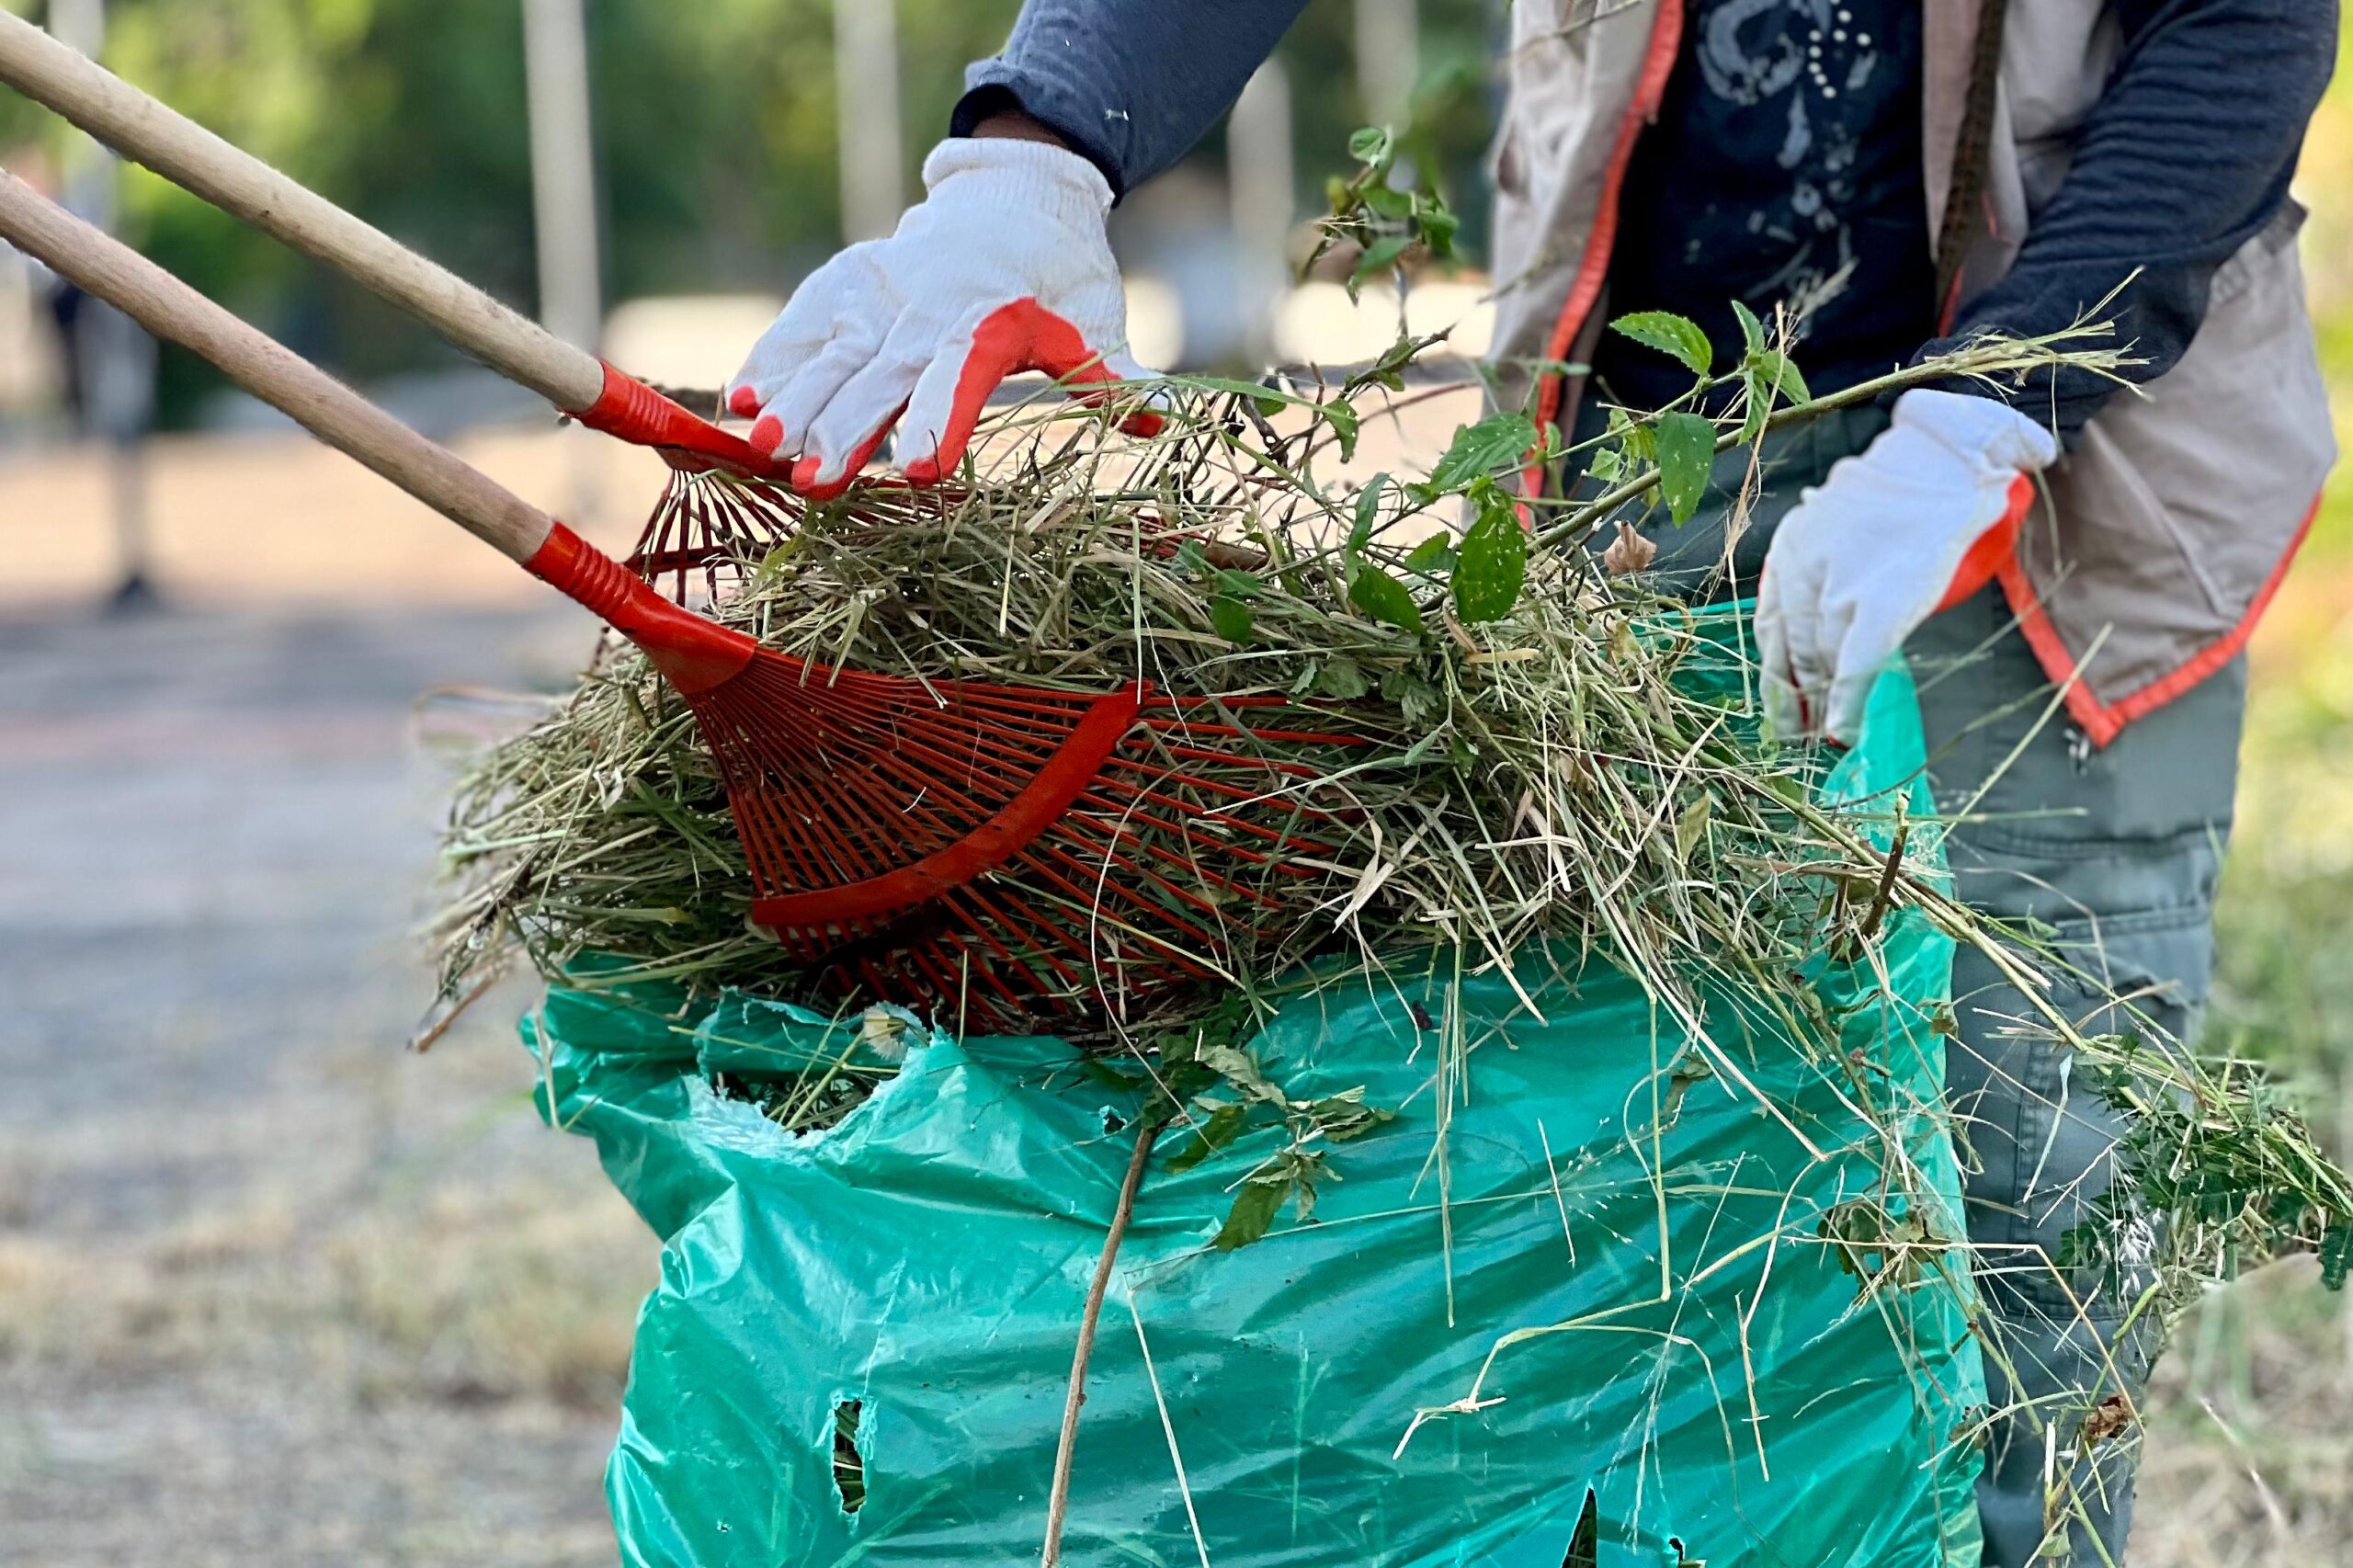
x: 1551, y: 754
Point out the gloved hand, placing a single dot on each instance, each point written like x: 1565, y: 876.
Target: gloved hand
x: 1003, y: 267
x: 1922, y: 519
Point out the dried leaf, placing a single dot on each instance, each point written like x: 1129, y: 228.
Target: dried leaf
x: 1628, y: 553
x: 2108, y: 1417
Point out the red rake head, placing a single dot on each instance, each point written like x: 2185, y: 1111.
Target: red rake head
x: 707, y: 524
x: 725, y: 502
x: 997, y: 852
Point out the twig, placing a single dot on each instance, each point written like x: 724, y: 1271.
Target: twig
x: 1057, y: 1500
x: 1886, y: 893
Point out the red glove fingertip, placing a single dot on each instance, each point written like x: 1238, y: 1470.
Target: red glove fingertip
x: 744, y: 402
x: 805, y: 472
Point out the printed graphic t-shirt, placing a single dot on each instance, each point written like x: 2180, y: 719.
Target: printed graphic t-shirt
x: 1785, y: 157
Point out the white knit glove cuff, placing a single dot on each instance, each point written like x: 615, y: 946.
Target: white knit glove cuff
x: 1029, y: 180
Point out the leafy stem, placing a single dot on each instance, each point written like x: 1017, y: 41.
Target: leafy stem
x: 1985, y: 359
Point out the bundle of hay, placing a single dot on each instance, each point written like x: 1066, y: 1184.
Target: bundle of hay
x: 1551, y: 754
x: 1548, y: 755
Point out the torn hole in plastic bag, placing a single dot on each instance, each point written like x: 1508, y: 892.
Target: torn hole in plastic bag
x: 849, y: 1464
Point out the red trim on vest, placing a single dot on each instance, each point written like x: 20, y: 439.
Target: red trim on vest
x: 2103, y: 722
x: 1593, y: 268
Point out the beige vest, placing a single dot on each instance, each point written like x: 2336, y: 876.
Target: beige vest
x: 2168, y: 527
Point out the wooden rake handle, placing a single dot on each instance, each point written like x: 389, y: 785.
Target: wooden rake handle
x: 150, y: 132
x: 112, y: 271
x: 694, y: 654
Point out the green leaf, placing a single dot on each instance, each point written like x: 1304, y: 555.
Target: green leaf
x: 1371, y: 144
x: 1692, y: 826
x: 1777, y: 371
x: 1635, y: 439
x: 1368, y: 514
x: 1253, y: 1214
x: 1417, y: 699
x: 1233, y: 1064
x: 1678, y: 336
x: 2335, y: 1255
x: 1751, y: 329
x: 1381, y: 254
x: 1341, y: 415
x: 1686, y: 455
x: 1342, y: 678
x: 1336, y: 412
x: 1222, y: 1127
x: 1438, y: 229
x: 1111, y: 1078
x: 1383, y: 598
x: 1389, y: 202
x: 1434, y: 554
x: 1231, y: 618
x: 1236, y: 585
x: 1492, y: 566
x: 1495, y: 444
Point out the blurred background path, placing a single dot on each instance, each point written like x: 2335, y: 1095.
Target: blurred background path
x: 271, y: 1290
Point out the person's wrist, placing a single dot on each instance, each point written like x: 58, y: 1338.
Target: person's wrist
x: 1010, y: 175
x: 1014, y: 125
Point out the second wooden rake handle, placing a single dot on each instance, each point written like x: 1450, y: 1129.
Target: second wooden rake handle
x: 108, y: 269
x: 149, y: 132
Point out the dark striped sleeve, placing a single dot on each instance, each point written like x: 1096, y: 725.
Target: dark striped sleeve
x: 2186, y: 156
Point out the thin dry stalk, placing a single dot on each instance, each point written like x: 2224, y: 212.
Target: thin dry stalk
x: 1090, y: 1318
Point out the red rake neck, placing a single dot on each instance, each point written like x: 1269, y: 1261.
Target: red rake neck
x: 637, y: 414
x: 692, y: 654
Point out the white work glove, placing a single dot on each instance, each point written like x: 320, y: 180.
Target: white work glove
x: 1923, y: 519
x: 1003, y: 267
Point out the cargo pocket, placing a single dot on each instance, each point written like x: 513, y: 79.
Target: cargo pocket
x: 2041, y: 1145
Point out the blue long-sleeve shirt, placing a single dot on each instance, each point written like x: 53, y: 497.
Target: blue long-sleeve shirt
x: 2186, y: 155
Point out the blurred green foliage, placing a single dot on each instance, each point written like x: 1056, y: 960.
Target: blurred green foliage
x: 715, y: 124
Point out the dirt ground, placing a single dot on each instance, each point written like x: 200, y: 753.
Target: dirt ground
x: 271, y: 1288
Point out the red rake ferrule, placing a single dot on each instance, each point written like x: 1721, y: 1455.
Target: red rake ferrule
x: 694, y: 654
x: 635, y: 412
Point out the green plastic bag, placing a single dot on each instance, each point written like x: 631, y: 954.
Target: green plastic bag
x: 859, y: 1349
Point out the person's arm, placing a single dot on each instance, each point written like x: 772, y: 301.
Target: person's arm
x: 2186, y: 157
x: 1130, y: 85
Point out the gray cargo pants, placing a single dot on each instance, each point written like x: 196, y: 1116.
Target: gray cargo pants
x: 2117, y: 852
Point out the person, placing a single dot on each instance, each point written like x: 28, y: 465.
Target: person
x: 2072, y: 562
